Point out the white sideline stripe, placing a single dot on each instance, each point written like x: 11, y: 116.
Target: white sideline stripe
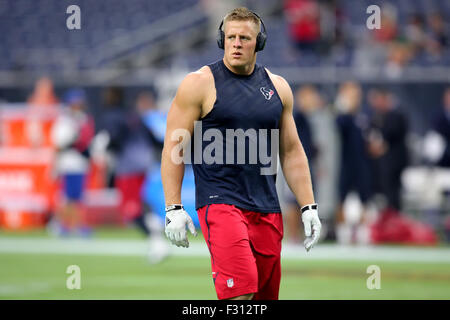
x: 24, y: 289
x: 117, y: 247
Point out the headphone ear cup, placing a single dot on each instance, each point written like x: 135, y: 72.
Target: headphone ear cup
x: 220, y: 39
x: 260, y: 41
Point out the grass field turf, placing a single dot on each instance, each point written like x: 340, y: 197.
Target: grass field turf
x: 43, y: 276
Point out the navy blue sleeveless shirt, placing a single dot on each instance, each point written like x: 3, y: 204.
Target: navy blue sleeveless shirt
x: 235, y: 145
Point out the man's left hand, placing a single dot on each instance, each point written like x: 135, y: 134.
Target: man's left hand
x: 311, y: 222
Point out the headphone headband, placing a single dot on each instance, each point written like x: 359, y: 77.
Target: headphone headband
x: 260, y: 39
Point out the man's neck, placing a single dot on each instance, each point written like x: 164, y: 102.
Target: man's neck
x: 244, y: 70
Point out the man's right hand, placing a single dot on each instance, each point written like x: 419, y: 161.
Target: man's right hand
x: 176, y: 220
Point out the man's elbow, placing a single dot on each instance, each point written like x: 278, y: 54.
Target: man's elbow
x: 294, y: 150
x: 295, y: 156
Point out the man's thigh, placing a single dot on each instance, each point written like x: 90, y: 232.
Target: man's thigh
x: 266, y: 234
x: 233, y: 264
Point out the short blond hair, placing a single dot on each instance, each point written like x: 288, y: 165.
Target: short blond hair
x: 242, y: 14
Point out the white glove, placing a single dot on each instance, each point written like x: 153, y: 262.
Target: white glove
x: 176, y: 220
x: 311, y: 220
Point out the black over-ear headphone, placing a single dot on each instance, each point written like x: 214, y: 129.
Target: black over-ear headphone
x: 260, y: 39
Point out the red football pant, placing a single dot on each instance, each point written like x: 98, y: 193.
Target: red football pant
x: 245, y: 248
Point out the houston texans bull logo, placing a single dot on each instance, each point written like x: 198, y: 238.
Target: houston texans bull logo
x: 267, y: 93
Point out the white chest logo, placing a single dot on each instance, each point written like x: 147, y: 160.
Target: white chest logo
x: 267, y: 93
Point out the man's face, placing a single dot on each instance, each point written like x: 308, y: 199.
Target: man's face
x: 240, y: 42
x: 380, y: 101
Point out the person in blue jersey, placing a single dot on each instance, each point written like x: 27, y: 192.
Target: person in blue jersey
x: 226, y: 118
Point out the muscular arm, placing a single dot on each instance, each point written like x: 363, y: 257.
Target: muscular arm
x: 186, y: 108
x: 294, y: 162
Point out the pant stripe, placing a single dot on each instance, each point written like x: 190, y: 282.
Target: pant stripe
x: 209, y: 241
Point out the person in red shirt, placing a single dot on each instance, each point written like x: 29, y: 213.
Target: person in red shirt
x: 303, y: 23
x: 72, y: 134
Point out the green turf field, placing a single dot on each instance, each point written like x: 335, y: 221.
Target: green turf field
x: 108, y: 276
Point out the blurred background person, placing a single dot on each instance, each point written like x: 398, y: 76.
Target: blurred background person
x: 387, y: 146
x: 113, y: 122
x: 326, y: 165
x: 303, y: 21
x: 43, y: 94
x: 389, y: 29
x: 441, y: 125
x: 72, y: 134
x: 437, y: 139
x: 154, y: 119
x: 438, y: 37
x: 133, y: 146
x: 325, y: 152
x: 415, y: 33
x: 438, y: 28
x: 354, y: 169
x: 154, y: 122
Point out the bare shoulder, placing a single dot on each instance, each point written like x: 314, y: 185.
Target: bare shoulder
x: 283, y: 88
x: 198, y: 79
x: 195, y: 87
